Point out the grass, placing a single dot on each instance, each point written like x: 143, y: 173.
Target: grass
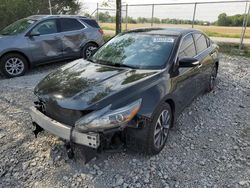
x: 107, y: 37
x: 213, y: 31
x: 233, y: 49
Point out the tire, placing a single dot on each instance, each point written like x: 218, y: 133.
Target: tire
x: 13, y: 65
x: 212, y: 79
x: 145, y: 139
x: 88, y: 50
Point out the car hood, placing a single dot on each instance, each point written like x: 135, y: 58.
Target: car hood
x: 6, y: 40
x: 8, y: 37
x: 81, y: 84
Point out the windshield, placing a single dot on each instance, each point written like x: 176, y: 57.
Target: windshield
x: 136, y: 50
x: 17, y: 27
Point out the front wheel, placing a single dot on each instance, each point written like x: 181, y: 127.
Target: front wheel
x: 152, y: 138
x: 159, y: 129
x: 13, y: 65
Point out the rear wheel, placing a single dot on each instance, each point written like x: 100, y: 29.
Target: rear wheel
x: 88, y: 50
x: 212, y: 79
x: 13, y: 65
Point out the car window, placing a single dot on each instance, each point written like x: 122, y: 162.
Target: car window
x: 45, y: 27
x: 70, y: 24
x: 200, y: 42
x: 92, y: 23
x: 187, y: 48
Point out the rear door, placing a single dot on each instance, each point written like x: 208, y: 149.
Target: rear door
x: 206, y: 60
x: 45, y: 41
x: 72, y: 36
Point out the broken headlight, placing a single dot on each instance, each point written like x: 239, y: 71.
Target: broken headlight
x: 107, y: 118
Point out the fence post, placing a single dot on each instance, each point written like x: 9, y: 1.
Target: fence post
x: 152, y: 18
x: 194, y: 15
x: 126, y: 17
x: 244, y: 26
x: 97, y: 12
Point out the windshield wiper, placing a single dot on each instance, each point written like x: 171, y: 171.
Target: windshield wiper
x: 4, y: 34
x: 123, y: 65
x: 109, y: 63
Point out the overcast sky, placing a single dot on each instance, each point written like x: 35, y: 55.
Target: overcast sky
x: 207, y: 12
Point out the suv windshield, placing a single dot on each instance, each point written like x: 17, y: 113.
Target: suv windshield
x: 17, y: 27
x: 136, y: 50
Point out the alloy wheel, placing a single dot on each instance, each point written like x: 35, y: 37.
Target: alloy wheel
x: 213, y: 78
x: 162, y: 128
x: 89, y: 51
x: 14, y: 66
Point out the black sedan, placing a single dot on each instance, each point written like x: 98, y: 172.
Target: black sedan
x: 130, y: 91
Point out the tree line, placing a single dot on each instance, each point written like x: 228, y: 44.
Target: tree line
x: 235, y: 20
x: 106, y: 17
x: 223, y: 20
x: 13, y: 10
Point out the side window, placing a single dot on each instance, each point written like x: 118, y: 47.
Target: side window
x: 45, y: 28
x: 200, y: 42
x: 187, y: 48
x: 92, y: 23
x: 70, y: 24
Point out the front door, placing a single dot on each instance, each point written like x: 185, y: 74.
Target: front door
x: 185, y: 79
x: 45, y: 41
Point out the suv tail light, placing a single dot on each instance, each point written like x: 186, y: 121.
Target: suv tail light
x: 101, y: 31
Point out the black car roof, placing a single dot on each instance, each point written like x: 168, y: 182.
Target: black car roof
x: 164, y: 31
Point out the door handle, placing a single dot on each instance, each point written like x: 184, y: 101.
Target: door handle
x: 212, y: 53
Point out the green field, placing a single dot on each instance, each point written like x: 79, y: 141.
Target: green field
x: 213, y: 31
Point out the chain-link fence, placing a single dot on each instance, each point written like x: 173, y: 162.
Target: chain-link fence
x: 206, y: 16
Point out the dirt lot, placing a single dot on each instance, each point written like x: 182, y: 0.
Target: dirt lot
x: 208, y: 147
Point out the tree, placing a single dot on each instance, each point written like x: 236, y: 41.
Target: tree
x: 235, y: 20
x: 12, y: 10
x: 223, y: 20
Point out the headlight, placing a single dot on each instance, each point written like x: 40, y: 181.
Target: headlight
x: 107, y: 118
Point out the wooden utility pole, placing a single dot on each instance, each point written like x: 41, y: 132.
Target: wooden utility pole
x: 118, y: 16
x: 50, y: 8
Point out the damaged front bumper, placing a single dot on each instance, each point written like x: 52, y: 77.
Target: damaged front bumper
x: 64, y: 131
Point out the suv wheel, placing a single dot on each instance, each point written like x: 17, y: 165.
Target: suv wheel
x: 13, y: 65
x: 89, y: 50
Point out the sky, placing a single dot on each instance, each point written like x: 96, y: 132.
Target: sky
x: 206, y: 12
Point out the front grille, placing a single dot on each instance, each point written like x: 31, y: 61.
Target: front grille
x: 63, y: 115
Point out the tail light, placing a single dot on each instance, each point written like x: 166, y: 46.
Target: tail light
x: 101, y: 31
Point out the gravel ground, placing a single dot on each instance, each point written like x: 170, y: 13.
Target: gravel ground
x: 208, y: 147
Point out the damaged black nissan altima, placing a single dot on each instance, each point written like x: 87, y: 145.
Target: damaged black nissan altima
x: 132, y: 89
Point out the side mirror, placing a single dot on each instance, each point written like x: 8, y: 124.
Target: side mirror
x: 34, y: 34
x: 188, y: 62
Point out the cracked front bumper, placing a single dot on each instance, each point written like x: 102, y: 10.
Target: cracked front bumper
x: 64, y: 131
